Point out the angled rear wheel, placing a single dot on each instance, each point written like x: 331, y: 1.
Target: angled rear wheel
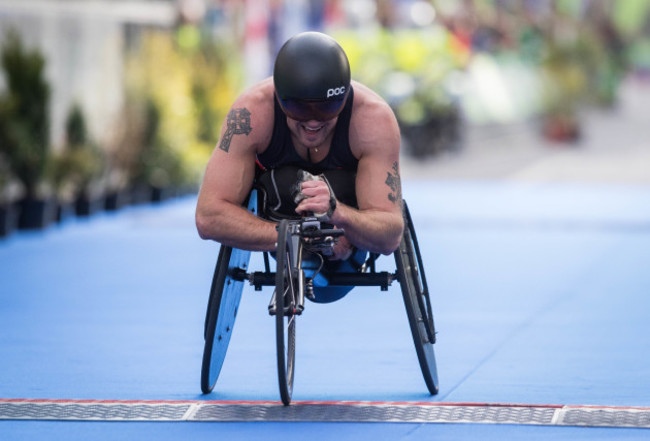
x: 225, y: 295
x: 415, y: 292
x: 223, y: 303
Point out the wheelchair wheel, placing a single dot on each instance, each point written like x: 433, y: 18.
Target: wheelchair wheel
x: 415, y: 292
x: 286, y: 298
x: 225, y: 295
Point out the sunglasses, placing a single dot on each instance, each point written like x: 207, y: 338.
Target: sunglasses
x: 307, y: 110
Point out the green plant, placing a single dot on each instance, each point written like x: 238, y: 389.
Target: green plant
x: 160, y: 166
x: 77, y: 169
x: 75, y: 127
x: 192, y: 90
x: 143, y: 156
x: 5, y: 177
x: 24, y: 119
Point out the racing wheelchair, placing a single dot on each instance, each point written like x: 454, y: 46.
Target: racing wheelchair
x: 293, y: 283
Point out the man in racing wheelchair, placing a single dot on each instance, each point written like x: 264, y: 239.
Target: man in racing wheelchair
x: 316, y: 143
x: 312, y: 143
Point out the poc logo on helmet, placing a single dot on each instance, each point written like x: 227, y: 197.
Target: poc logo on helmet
x: 336, y: 91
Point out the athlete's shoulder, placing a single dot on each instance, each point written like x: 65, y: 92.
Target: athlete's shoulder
x: 258, y: 93
x: 373, y: 121
x: 256, y: 104
x: 367, y: 100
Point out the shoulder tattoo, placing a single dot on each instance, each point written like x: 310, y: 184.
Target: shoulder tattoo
x: 237, y: 123
x: 393, y: 182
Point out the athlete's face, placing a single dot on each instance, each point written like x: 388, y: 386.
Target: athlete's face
x: 312, y: 134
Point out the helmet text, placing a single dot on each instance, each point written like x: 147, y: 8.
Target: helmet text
x: 335, y: 91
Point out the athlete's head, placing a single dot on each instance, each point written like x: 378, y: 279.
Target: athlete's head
x: 311, y: 77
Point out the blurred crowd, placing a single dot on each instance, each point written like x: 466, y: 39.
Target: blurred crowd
x: 483, y: 61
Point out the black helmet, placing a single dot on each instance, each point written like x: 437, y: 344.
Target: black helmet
x: 311, y: 77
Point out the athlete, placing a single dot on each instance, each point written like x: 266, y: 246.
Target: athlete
x: 312, y: 118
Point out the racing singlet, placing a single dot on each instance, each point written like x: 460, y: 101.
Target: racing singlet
x: 279, y: 164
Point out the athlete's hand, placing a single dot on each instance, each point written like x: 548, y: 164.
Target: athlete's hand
x: 342, y: 249
x: 317, y: 198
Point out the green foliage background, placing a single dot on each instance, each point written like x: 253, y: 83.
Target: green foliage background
x: 185, y: 93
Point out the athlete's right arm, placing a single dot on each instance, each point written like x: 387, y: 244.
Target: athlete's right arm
x: 230, y: 173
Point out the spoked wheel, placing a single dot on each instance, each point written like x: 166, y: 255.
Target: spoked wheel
x: 417, y: 302
x: 285, y: 306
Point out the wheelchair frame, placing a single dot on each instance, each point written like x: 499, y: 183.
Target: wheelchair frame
x: 231, y: 272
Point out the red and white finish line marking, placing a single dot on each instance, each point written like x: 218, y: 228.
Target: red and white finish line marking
x: 324, y: 411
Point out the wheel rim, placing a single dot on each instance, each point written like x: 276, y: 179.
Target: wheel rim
x: 420, y: 294
x: 285, y: 302
x: 224, y: 302
x: 419, y: 275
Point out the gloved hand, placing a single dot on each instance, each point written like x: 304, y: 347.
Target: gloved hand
x: 314, y: 194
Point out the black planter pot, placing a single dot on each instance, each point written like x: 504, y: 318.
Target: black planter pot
x: 160, y: 194
x: 36, y: 214
x: 116, y: 200
x: 65, y: 211
x: 86, y: 205
x: 9, y: 213
x: 140, y: 194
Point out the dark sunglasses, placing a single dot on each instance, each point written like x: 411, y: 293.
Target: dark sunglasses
x: 302, y: 110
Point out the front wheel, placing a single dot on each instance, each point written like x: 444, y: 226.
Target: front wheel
x: 285, y: 306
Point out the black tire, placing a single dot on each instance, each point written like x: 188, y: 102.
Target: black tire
x: 286, y: 297
x: 225, y: 295
x: 415, y: 292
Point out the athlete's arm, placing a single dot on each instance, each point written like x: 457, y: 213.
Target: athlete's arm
x: 230, y: 173
x: 377, y: 225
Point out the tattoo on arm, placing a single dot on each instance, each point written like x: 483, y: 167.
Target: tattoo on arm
x: 237, y: 123
x: 393, y: 182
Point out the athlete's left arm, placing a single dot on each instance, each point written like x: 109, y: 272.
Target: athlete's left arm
x: 378, y: 223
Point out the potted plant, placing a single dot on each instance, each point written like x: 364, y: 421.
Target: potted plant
x: 86, y: 164
x: 124, y: 157
x: 24, y: 130
x: 160, y: 166
x: 153, y: 168
x: 9, y: 211
x: 122, y: 153
x: 77, y: 170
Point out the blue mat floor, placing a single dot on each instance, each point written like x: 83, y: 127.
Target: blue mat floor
x: 539, y: 293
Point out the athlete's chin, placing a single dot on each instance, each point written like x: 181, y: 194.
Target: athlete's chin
x: 312, y: 139
x: 311, y: 143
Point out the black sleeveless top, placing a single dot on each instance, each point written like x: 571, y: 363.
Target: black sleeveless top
x: 280, y: 163
x: 281, y: 151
